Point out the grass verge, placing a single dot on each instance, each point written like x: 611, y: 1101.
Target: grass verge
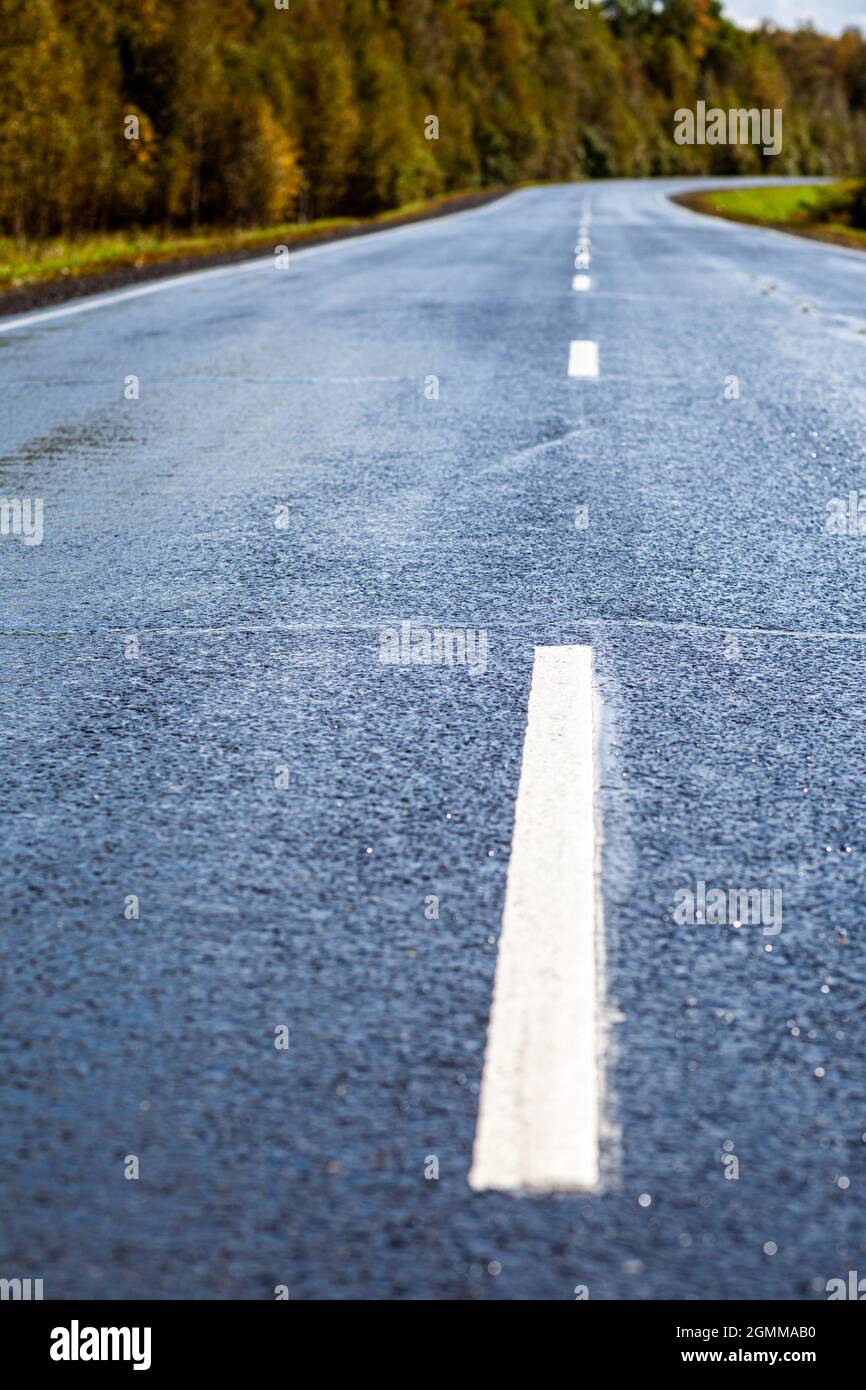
x: 826, y: 212
x: 63, y: 268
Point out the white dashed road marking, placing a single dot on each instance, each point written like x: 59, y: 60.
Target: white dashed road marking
x: 581, y: 283
x: 583, y: 358
x: 538, y: 1120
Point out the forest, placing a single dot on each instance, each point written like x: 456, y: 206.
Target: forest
x: 249, y: 113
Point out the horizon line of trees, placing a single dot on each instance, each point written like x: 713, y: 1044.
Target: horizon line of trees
x: 250, y: 114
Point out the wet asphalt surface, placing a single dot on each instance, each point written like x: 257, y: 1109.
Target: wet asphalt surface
x: 730, y: 649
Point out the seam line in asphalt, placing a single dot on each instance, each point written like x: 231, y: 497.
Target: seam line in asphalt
x: 375, y: 625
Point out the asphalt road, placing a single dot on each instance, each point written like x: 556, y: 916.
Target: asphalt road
x: 729, y: 637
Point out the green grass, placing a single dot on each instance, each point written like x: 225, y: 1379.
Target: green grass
x: 804, y: 204
x: 29, y: 264
x: 24, y: 265
x: 815, y: 210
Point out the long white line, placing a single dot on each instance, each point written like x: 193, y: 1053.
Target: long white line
x: 538, y: 1120
x: 103, y: 301
x: 264, y: 263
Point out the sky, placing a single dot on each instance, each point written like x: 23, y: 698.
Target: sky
x: 828, y: 16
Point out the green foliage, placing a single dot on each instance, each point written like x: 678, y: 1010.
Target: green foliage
x: 806, y: 203
x: 248, y: 115
x: 831, y: 211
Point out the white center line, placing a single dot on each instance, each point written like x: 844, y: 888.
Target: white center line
x: 581, y: 283
x: 583, y: 358
x: 538, y: 1120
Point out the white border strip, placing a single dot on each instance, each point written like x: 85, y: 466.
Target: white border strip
x: 538, y: 1120
x: 264, y: 263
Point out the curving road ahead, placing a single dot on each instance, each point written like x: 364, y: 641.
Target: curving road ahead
x: 284, y: 805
